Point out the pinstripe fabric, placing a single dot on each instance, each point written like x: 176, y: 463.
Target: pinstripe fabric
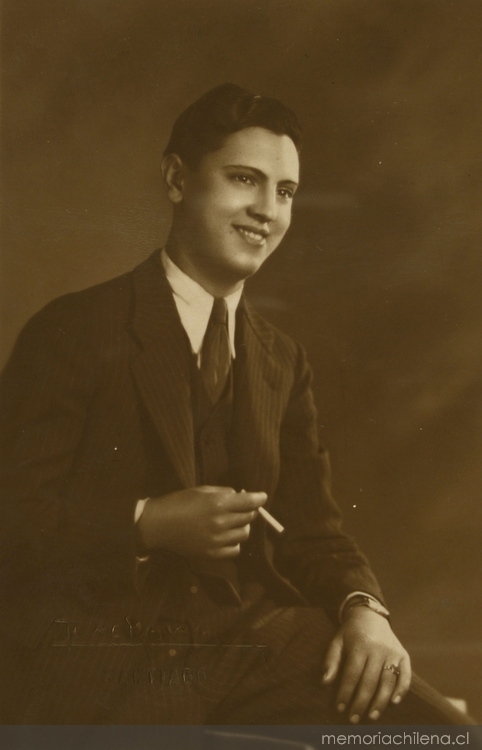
x: 97, y: 414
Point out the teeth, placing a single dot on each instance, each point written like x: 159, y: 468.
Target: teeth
x: 252, y: 235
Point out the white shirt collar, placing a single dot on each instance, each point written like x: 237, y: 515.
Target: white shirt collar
x: 194, y: 305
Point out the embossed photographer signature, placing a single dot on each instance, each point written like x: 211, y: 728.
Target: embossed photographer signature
x: 131, y: 633
x: 175, y: 678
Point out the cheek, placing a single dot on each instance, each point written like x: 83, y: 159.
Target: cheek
x: 226, y: 198
x: 284, y: 221
x: 220, y: 214
x: 218, y: 203
x: 204, y: 198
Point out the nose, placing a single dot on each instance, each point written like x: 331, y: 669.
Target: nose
x: 264, y: 208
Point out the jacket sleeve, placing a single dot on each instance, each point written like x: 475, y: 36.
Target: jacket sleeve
x: 45, y: 391
x: 322, y: 561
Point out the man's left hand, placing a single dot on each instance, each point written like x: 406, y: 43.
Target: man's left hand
x: 361, y: 652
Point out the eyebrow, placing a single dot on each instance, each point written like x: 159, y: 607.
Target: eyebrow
x: 259, y: 172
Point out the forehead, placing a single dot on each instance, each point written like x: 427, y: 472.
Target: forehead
x: 274, y: 155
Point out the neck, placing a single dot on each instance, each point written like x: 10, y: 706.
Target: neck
x: 203, y: 273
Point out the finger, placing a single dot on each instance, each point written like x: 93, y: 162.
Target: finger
x: 245, y: 501
x: 235, y: 520
x: 221, y: 553
x: 404, y: 679
x: 351, y: 674
x: 232, y: 536
x: 332, y: 660
x: 367, y: 687
x: 209, y: 488
x: 386, y: 686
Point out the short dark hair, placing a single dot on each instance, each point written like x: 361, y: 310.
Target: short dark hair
x: 224, y: 110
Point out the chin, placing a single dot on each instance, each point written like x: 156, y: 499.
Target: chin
x: 250, y: 262
x: 245, y: 270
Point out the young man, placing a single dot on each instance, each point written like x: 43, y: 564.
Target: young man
x: 148, y: 421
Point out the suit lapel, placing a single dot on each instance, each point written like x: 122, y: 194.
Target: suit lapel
x: 258, y: 404
x: 163, y: 368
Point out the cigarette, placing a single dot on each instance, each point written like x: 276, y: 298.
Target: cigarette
x: 270, y: 519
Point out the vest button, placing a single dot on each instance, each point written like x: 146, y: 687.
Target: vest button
x: 194, y: 589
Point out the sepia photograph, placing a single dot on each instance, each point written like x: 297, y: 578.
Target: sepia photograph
x: 241, y: 357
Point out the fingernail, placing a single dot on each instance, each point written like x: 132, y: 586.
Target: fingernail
x: 354, y: 719
x: 326, y: 675
x: 341, y: 707
x: 397, y: 699
x: 375, y: 715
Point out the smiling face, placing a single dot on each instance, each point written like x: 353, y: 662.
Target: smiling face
x: 232, y: 211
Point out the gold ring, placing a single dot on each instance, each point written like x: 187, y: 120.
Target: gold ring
x: 392, y: 668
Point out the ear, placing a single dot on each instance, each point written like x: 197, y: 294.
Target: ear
x: 173, y: 173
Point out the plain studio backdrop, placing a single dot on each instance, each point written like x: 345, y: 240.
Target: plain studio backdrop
x: 380, y: 276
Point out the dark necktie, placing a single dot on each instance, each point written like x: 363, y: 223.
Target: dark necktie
x: 216, y: 351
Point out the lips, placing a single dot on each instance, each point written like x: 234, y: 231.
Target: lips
x: 253, y: 235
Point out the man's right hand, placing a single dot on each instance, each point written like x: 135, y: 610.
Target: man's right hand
x: 203, y: 521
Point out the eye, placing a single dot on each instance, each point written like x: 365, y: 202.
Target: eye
x: 245, y: 179
x: 286, y: 193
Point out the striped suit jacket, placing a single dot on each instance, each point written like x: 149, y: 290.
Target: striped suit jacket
x: 97, y: 414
